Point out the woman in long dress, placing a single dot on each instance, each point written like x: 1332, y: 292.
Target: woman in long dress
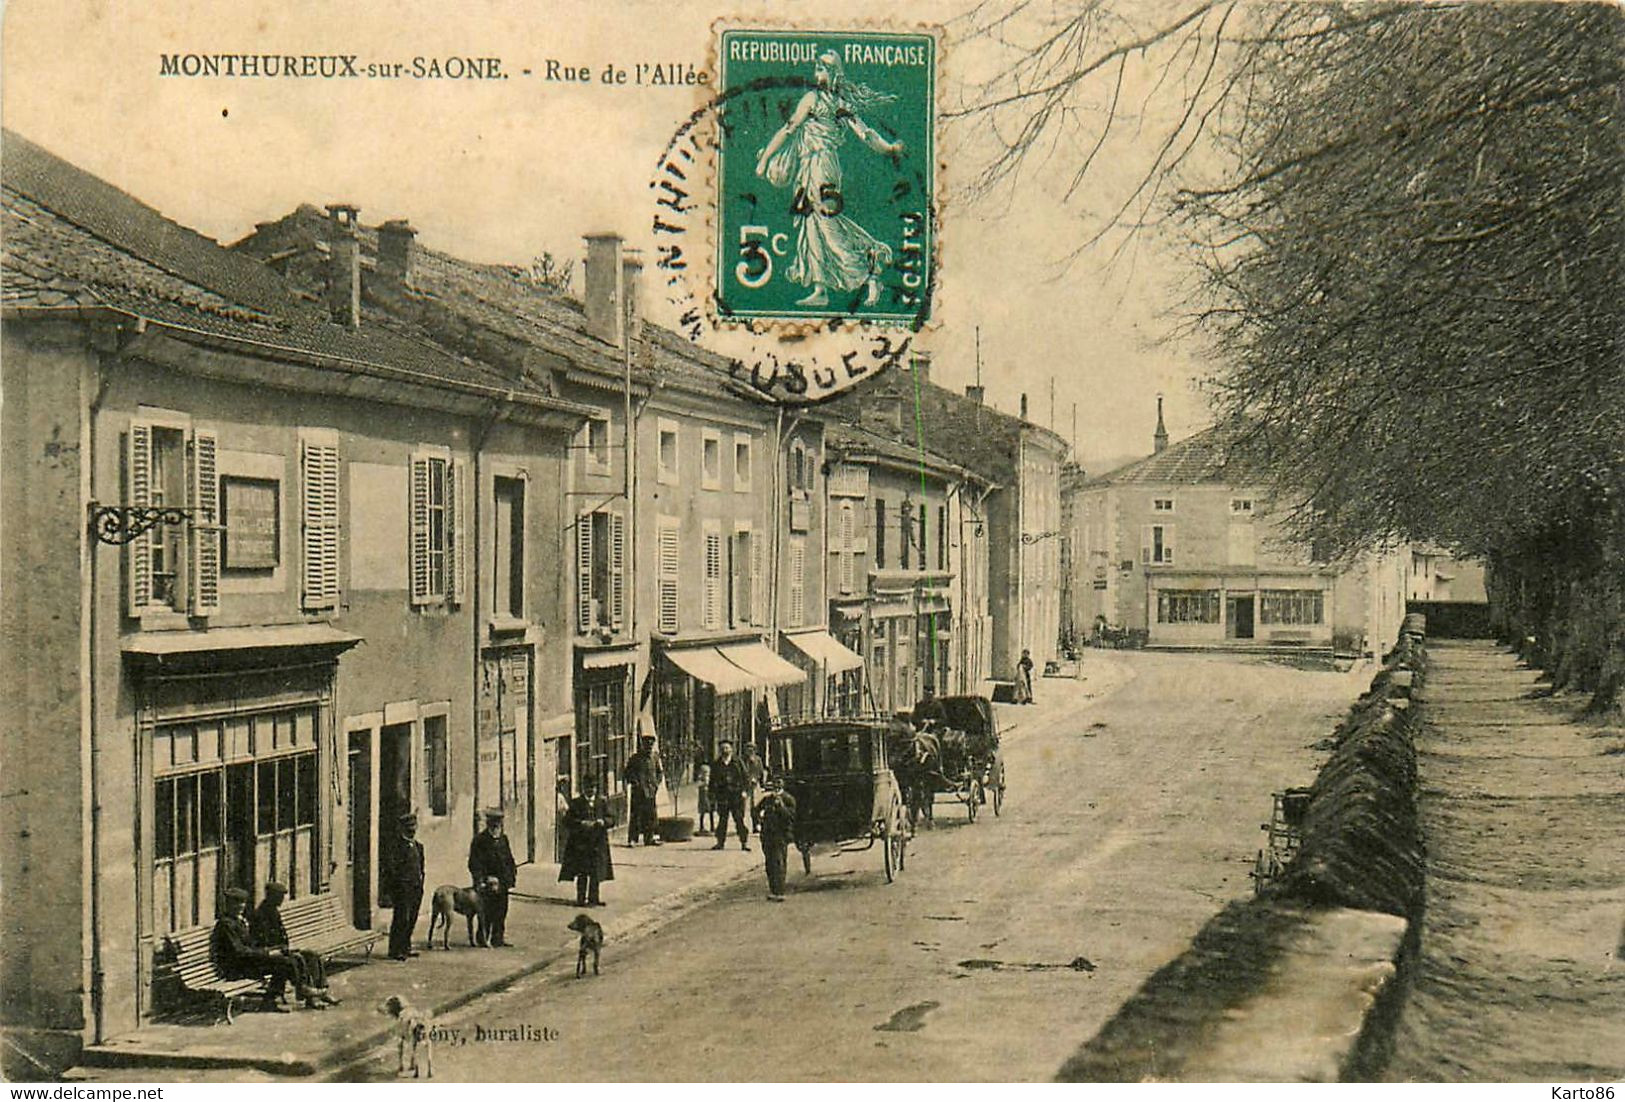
x: 832, y: 251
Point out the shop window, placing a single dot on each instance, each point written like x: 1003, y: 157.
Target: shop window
x: 1188, y: 606
x: 1291, y: 606
x: 601, y: 732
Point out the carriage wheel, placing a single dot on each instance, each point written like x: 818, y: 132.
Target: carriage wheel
x: 973, y: 797
x: 888, y: 854
x: 806, y: 860
x: 998, y: 792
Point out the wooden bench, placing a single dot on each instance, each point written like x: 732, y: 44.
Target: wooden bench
x: 315, y: 923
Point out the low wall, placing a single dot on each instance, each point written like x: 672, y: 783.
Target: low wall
x: 1303, y: 981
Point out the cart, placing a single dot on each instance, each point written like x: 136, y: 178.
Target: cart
x: 1283, y: 835
x: 836, y: 770
x: 954, y: 751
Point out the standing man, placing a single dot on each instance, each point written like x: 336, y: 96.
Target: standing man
x: 403, y: 878
x: 777, y: 815
x: 729, y: 783
x: 755, y: 771
x: 266, y: 928
x: 586, y: 844
x: 1024, y: 678
x: 644, y: 773
x: 490, y: 863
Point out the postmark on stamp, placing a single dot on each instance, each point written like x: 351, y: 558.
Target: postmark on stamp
x: 825, y: 176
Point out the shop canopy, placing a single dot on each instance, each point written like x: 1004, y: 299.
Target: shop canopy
x: 737, y: 667
x: 822, y: 648
x: 772, y: 671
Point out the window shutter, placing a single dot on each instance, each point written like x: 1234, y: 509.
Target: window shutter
x: 203, y: 575
x: 617, y: 571
x: 849, y: 553
x: 457, y: 542
x: 584, y: 572
x: 138, y: 494
x: 713, y: 579
x: 798, y: 583
x: 1168, y: 544
x: 669, y: 564
x: 319, y: 469
x: 1145, y: 544
x: 419, y: 512
x: 758, y: 591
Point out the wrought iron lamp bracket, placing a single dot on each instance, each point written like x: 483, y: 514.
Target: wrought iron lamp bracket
x: 121, y: 524
x: 1030, y: 538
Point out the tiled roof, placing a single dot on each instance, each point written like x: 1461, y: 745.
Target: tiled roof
x: 1204, y: 457
x: 71, y: 239
x: 497, y: 297
x: 848, y: 438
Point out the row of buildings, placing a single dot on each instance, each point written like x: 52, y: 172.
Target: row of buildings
x: 327, y: 526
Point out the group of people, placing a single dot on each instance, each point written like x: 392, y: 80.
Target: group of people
x: 255, y: 946
x: 490, y: 864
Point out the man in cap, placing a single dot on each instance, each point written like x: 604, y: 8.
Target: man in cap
x: 643, y: 774
x: 403, y: 880
x: 266, y: 928
x: 491, y: 864
x: 777, y: 814
x: 238, y: 958
x: 729, y: 783
x: 587, y: 860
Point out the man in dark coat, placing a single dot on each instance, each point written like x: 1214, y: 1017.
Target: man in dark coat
x: 729, y: 783
x: 1024, y: 678
x: 491, y: 864
x: 266, y: 928
x: 403, y: 879
x: 644, y: 773
x: 238, y: 958
x: 586, y: 845
x: 777, y: 813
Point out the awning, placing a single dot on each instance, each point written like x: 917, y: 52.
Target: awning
x: 707, y: 665
x: 227, y: 648
x: 770, y: 670
x: 825, y: 650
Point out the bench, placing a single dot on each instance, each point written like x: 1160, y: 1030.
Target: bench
x: 316, y: 923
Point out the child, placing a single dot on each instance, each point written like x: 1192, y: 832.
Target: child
x: 706, y: 810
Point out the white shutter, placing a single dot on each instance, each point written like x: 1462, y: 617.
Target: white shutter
x: 319, y: 476
x: 1168, y: 544
x: 849, y: 554
x: 617, y: 571
x: 457, y: 542
x: 670, y: 561
x: 1145, y: 543
x: 798, y: 582
x: 203, y: 545
x: 758, y: 591
x: 584, y: 572
x: 713, y: 579
x: 419, y: 514
x: 138, y: 494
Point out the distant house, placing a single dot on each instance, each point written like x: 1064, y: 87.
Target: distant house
x: 1434, y: 574
x: 1187, y: 549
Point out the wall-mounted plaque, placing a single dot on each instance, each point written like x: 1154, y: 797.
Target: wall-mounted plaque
x: 252, y: 520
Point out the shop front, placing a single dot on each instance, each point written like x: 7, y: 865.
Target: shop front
x: 708, y: 692
x: 834, y: 671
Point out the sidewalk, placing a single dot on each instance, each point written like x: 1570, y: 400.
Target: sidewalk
x: 652, y: 886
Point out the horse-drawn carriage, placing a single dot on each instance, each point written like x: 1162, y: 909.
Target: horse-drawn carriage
x: 836, y: 769
x: 951, y: 747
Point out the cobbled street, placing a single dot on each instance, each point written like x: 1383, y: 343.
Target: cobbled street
x: 1135, y: 798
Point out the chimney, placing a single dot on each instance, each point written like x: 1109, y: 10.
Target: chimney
x: 1160, y: 439
x: 1024, y: 405
x: 606, y: 277
x: 344, y: 261
x: 977, y: 393
x: 920, y: 362
x: 882, y: 413
x: 397, y: 250
x: 632, y: 285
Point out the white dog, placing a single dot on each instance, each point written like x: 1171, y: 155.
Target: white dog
x: 413, y: 1030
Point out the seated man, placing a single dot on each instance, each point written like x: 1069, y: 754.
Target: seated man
x: 238, y: 958
x: 267, y: 932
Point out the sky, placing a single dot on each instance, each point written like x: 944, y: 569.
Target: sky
x: 503, y: 171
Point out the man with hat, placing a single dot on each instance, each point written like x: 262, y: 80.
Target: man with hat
x: 776, y: 812
x: 729, y: 783
x: 403, y: 880
x: 643, y: 774
x: 238, y: 958
x: 587, y: 859
x: 266, y: 928
x: 491, y: 864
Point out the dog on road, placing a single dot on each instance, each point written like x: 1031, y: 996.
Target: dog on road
x: 414, y: 1033
x: 592, y: 941
x: 468, y: 902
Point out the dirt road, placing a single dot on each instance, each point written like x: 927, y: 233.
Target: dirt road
x: 1132, y: 817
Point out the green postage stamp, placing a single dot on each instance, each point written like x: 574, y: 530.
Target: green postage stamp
x: 826, y: 176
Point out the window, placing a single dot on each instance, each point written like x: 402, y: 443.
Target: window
x: 797, y: 612
x: 1241, y: 506
x: 1187, y: 606
x: 436, y: 765
x: 905, y: 532
x: 942, y: 537
x: 668, y: 548
x: 713, y: 576
x: 437, y: 529
x: 1157, y: 544
x: 600, y: 571
x: 798, y: 465
x: 745, y: 572
x: 319, y: 518
x: 1162, y: 505
x: 710, y: 460
x: 173, y: 567
x: 667, y: 473
x: 509, y: 522
x: 601, y: 730
x: 1291, y: 606
x: 742, y: 464
x: 597, y: 430
x: 880, y: 534
x: 924, y: 509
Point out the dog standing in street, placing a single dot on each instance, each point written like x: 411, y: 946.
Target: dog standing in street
x: 413, y: 1031
x: 592, y: 941
x: 450, y: 899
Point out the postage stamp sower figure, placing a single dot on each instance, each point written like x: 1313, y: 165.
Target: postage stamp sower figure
x: 825, y: 180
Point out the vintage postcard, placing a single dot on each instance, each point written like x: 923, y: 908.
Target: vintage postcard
x: 732, y: 543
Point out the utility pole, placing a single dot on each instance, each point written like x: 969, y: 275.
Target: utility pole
x: 1074, y: 432
x: 1052, y: 403
x: 978, y: 355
